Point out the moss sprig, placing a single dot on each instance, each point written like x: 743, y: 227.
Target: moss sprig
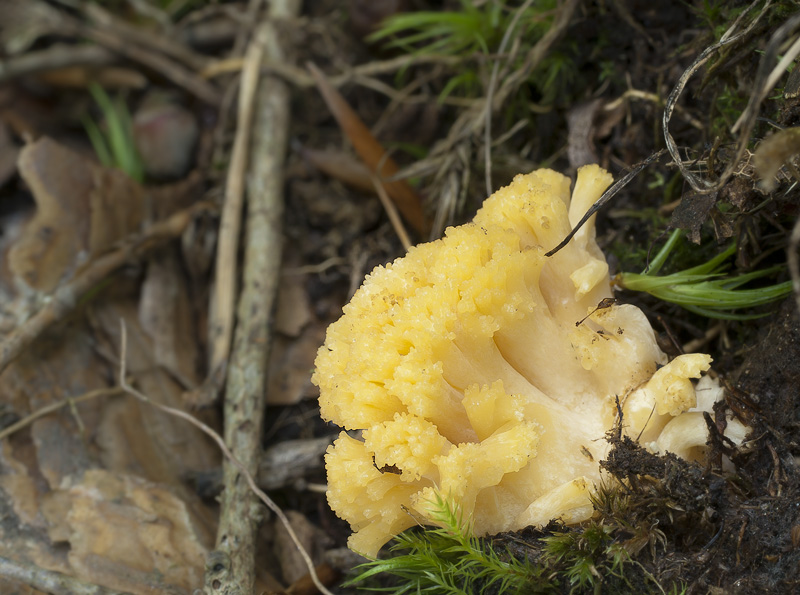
x: 450, y: 560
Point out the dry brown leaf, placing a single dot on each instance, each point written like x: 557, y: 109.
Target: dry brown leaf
x: 166, y: 316
x: 290, y: 364
x: 24, y: 532
x: 82, y: 209
x: 133, y: 535
x: 372, y: 153
x: 314, y: 540
x: 138, y: 438
x: 340, y: 166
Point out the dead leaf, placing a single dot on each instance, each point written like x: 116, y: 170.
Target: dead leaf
x: 134, y: 535
x: 136, y: 437
x: 340, y: 166
x: 166, y: 316
x: 293, y: 310
x: 82, y: 209
x: 290, y: 365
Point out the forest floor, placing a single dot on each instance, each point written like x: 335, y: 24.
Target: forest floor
x: 182, y: 216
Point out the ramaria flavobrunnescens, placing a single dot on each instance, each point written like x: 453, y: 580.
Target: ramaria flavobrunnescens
x: 467, y: 367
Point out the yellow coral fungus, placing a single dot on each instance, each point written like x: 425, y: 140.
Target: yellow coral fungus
x: 480, y: 368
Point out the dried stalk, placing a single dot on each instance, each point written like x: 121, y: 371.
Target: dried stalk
x: 222, y: 307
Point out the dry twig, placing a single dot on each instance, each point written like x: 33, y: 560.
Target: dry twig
x: 47, y: 409
x: 140, y: 36
x: 245, y: 402
x: 49, y: 581
x: 54, y: 57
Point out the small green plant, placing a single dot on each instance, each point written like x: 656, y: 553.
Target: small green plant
x: 450, y: 33
x: 587, y: 555
x: 114, y: 146
x: 705, y: 289
x: 478, y: 29
x: 450, y: 560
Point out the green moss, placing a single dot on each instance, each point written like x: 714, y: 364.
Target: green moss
x: 449, y: 559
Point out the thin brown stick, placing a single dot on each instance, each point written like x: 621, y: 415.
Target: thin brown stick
x: 123, y: 383
x: 299, y: 77
x: 226, y: 278
x: 49, y: 581
x: 175, y: 72
x: 65, y: 298
x: 160, y: 43
x: 65, y: 24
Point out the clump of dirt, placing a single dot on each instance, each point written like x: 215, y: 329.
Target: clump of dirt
x: 732, y: 526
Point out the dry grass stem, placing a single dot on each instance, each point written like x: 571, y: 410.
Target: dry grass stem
x: 487, y: 129
x: 392, y: 213
x: 226, y: 278
x: 700, y: 185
